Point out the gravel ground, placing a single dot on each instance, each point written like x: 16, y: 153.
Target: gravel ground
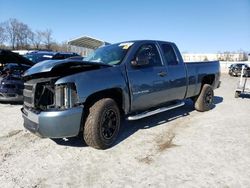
x: 179, y: 148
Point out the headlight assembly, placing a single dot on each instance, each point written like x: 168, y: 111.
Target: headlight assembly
x: 65, y: 96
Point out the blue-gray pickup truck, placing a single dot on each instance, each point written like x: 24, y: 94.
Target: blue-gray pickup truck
x: 133, y: 79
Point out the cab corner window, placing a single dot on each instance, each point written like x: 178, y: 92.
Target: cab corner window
x: 169, y: 54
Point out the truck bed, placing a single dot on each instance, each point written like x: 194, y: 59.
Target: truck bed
x: 196, y: 71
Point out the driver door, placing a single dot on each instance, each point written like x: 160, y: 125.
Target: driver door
x: 147, y: 82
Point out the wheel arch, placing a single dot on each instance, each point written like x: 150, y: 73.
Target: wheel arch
x: 208, y: 79
x: 114, y: 93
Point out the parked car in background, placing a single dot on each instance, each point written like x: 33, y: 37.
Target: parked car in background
x: 235, y: 69
x: 12, y: 67
x: 38, y: 56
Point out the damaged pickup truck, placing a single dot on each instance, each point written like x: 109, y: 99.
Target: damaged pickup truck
x: 134, y: 79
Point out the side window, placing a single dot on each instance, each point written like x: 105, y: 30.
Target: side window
x: 150, y: 51
x: 169, y: 54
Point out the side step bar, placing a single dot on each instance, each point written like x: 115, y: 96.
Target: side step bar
x: 159, y: 110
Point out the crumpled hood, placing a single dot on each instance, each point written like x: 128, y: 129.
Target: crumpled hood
x: 44, y: 66
x: 62, y: 67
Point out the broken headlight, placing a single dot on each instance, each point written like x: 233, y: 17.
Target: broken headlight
x: 65, y: 96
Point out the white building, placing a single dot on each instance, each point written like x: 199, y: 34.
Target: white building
x: 199, y: 57
x: 212, y: 57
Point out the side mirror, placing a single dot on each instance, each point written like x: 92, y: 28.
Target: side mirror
x: 140, y: 61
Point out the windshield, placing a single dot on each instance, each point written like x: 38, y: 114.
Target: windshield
x: 111, y: 54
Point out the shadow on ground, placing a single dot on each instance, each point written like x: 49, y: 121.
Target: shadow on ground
x: 128, y: 128
x: 77, y: 141
x: 217, y: 100
x: 244, y: 96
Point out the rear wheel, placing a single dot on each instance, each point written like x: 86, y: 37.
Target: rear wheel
x: 204, y: 101
x: 102, y: 124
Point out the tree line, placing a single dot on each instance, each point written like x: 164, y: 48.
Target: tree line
x: 16, y: 35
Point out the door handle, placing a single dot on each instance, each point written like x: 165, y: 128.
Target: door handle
x: 162, y: 73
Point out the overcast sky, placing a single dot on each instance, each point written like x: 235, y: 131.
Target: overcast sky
x: 194, y: 25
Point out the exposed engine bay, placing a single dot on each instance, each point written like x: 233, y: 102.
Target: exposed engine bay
x: 41, y: 93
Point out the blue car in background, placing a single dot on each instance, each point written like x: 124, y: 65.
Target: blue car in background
x: 12, y: 66
x: 38, y: 56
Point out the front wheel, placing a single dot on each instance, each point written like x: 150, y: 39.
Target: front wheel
x: 204, y: 101
x: 102, y: 124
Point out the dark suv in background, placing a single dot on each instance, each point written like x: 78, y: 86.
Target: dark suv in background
x: 38, y: 56
x: 235, y: 69
x: 12, y: 66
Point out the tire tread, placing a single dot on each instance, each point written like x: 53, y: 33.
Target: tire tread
x: 91, y: 129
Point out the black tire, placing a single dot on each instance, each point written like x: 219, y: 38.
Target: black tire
x: 236, y: 94
x: 204, y: 101
x: 102, y: 124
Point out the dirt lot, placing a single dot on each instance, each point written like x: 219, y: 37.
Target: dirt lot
x: 179, y: 148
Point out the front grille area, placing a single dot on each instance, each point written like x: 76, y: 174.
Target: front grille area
x: 38, y: 94
x: 28, y: 94
x: 28, y: 87
x: 27, y: 99
x: 44, y: 96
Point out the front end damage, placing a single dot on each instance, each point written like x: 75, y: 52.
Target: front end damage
x: 50, y: 109
x: 44, y: 94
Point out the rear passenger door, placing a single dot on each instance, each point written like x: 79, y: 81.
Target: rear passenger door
x: 147, y: 83
x: 176, y: 72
